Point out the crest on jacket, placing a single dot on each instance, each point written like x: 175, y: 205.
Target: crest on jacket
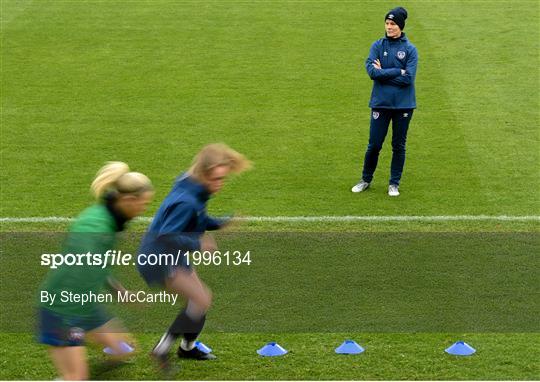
x: 401, y: 55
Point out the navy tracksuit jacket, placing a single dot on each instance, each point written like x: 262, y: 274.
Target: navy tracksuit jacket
x: 393, y: 99
x: 178, y: 225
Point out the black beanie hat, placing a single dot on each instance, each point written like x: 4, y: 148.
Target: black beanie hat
x: 397, y: 15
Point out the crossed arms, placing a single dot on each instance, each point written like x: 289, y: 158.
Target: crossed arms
x: 392, y: 76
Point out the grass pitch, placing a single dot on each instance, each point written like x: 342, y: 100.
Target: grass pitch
x: 311, y: 356
x: 149, y: 82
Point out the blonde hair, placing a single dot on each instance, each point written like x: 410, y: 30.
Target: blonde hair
x: 116, y: 177
x: 216, y: 155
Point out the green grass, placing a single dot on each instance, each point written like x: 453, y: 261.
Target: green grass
x: 359, y: 226
x: 149, y: 82
x: 311, y: 356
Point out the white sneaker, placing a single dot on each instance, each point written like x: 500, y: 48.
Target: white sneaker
x: 362, y: 186
x: 393, y: 190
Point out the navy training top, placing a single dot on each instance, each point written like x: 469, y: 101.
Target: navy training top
x: 181, y: 219
x: 391, y: 89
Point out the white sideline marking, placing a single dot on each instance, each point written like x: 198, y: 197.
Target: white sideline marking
x: 294, y: 219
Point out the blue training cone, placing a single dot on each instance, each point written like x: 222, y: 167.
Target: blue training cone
x: 272, y: 349
x: 349, y: 347
x: 202, y: 347
x: 124, y: 349
x: 460, y: 348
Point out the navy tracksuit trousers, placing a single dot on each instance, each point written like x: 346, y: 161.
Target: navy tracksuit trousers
x: 380, y: 120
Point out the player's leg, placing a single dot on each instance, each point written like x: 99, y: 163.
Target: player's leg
x: 70, y: 361
x: 199, y: 299
x: 113, y: 335
x: 380, y: 119
x: 400, y: 127
x: 65, y: 339
x: 190, y: 321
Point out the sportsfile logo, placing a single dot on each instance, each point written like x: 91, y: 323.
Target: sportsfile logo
x: 114, y: 257
x: 103, y: 260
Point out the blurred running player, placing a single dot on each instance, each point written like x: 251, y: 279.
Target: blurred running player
x: 65, y: 326
x: 180, y: 224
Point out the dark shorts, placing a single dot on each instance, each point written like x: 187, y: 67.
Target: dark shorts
x: 156, y: 276
x: 56, y: 329
x: 162, y: 255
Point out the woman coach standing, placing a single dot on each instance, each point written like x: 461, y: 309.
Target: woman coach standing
x: 391, y: 65
x: 180, y: 225
x: 65, y: 325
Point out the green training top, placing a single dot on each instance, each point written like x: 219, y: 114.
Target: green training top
x: 93, y: 231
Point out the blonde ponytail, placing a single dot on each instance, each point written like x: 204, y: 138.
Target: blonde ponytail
x: 116, y: 177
